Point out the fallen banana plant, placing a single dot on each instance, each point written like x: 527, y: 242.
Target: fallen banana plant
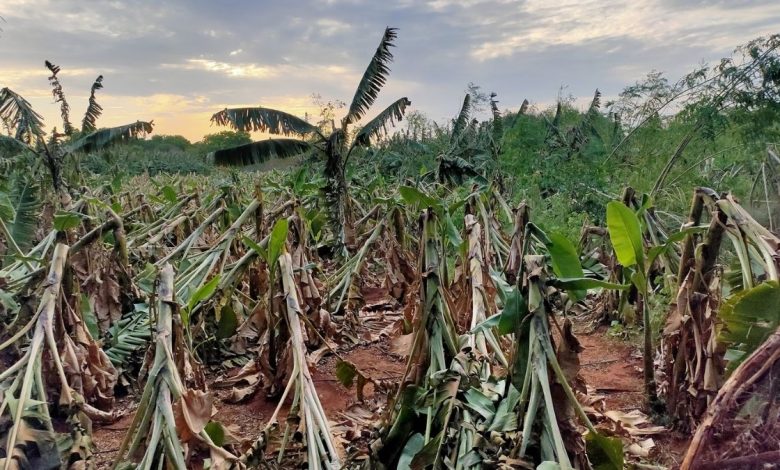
x: 693, y: 353
x: 479, y: 339
x: 343, y: 281
x: 171, y: 419
x: 306, y: 417
x: 31, y: 434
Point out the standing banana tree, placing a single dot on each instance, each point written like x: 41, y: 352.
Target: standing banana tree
x: 26, y: 127
x: 335, y: 149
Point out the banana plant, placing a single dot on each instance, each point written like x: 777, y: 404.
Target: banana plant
x: 714, y: 313
x: 333, y: 148
x: 626, y: 237
x: 30, y: 439
x: 306, y: 414
x: 170, y: 413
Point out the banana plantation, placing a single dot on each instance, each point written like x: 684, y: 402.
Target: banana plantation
x: 398, y: 298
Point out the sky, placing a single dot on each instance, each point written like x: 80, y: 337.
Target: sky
x: 179, y: 61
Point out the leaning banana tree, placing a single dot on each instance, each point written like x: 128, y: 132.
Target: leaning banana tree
x: 27, y: 127
x: 335, y: 149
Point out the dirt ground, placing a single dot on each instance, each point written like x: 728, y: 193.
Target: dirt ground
x: 613, y: 368
x: 610, y: 366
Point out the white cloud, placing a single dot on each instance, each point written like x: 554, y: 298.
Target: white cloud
x: 241, y: 70
x: 263, y: 72
x: 236, y: 52
x: 331, y: 27
x: 112, y: 19
x: 537, y: 24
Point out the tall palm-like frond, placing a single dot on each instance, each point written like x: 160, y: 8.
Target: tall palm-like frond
x: 378, y: 126
x: 463, y: 118
x: 595, y: 104
x: 498, y: 123
x: 581, y: 134
x: 59, y: 97
x: 555, y: 135
x: 94, y: 110
x: 264, y: 120
x: 259, y: 152
x: 523, y: 108
x: 109, y: 136
x: 558, y: 112
x: 520, y: 112
x: 373, y: 79
x: 18, y: 114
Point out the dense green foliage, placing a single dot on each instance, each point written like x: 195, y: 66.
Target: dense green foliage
x: 716, y: 127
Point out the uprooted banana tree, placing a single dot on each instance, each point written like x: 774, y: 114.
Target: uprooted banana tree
x: 712, y: 324
x: 75, y: 365
x: 306, y: 417
x: 333, y: 148
x: 452, y: 409
x: 173, y: 418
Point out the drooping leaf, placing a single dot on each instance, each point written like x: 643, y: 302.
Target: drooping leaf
x: 169, y: 194
x: 66, y: 220
x: 204, y: 292
x: 24, y: 206
x: 128, y: 335
x: 565, y: 260
x: 216, y: 433
x: 378, y: 126
x: 750, y: 316
x: 260, y: 119
x: 373, y: 78
x: 457, y: 170
x: 228, y: 323
x: 412, y: 447
x: 346, y: 373
x: 415, y: 196
x: 18, y: 114
x: 656, y: 251
x: 110, y: 136
x: 256, y: 247
x: 512, y: 314
x: 625, y: 234
x: 90, y: 320
x: 403, y: 425
x: 7, y: 212
x: 426, y: 456
x: 259, y: 152
x: 10, y: 147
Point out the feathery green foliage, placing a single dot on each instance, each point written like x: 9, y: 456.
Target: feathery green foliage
x: 94, y: 110
x: 373, y: 79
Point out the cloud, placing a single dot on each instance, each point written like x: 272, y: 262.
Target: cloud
x: 265, y: 72
x: 539, y: 24
x: 331, y: 27
x: 241, y: 70
x: 180, y: 61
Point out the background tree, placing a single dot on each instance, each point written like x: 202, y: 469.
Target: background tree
x: 222, y: 140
